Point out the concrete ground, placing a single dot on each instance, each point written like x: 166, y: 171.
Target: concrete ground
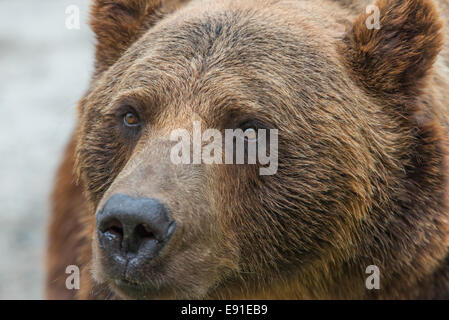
x: 44, y: 69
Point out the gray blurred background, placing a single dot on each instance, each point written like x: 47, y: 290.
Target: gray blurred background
x: 44, y: 69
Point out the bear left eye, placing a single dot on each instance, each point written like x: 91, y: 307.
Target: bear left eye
x: 250, y: 130
x: 131, y: 119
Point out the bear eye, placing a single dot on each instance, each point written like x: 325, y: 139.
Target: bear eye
x: 250, y: 130
x: 131, y: 119
x: 250, y: 134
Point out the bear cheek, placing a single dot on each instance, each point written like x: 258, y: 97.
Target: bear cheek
x: 97, y: 272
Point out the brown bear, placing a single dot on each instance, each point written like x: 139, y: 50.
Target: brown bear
x: 359, y: 96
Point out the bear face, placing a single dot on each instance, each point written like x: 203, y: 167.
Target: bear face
x: 351, y: 131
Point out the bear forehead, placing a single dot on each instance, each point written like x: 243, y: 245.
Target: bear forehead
x: 245, y: 48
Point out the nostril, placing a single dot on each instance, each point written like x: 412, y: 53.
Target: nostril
x: 143, y: 231
x: 114, y: 227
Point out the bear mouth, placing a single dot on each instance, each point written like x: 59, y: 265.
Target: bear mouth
x: 132, y: 290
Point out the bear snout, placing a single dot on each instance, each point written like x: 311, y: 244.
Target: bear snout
x: 132, y: 231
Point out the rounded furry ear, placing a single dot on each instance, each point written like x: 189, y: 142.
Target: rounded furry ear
x: 118, y: 23
x: 392, y: 46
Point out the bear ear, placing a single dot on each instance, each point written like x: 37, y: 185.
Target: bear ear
x: 118, y: 23
x: 393, y: 55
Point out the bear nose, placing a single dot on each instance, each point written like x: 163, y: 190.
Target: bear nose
x: 133, y: 228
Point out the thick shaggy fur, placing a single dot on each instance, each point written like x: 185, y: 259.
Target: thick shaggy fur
x: 363, y: 148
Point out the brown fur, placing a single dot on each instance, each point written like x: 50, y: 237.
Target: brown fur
x: 363, y: 132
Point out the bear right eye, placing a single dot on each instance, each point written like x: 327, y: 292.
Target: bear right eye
x: 131, y: 119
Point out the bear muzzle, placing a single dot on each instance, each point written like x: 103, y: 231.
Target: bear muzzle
x: 131, y: 232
